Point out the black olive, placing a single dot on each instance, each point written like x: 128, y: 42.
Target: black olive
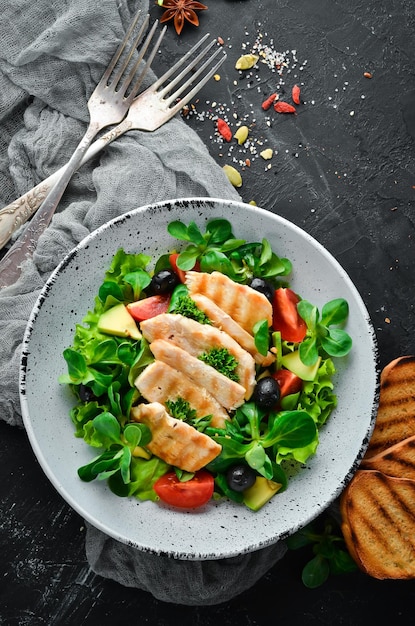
x: 267, y: 392
x: 164, y: 282
x: 86, y: 394
x: 240, y: 477
x: 263, y: 286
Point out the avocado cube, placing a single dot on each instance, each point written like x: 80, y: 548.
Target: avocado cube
x: 292, y: 362
x: 117, y: 321
x: 261, y: 491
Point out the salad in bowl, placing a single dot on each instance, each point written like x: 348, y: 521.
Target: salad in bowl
x: 213, y: 362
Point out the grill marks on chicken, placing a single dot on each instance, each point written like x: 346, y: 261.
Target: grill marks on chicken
x: 196, y: 338
x: 176, y: 343
x: 224, y: 321
x: 245, y: 305
x: 174, y: 441
x: 159, y: 382
x: 228, y: 393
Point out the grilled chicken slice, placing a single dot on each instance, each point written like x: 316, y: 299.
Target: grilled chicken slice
x: 227, y: 392
x: 197, y: 338
x: 224, y: 322
x: 174, y: 441
x: 159, y: 382
x: 244, y: 304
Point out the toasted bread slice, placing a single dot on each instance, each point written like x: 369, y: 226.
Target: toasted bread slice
x: 378, y: 524
x: 396, y: 411
x: 397, y: 460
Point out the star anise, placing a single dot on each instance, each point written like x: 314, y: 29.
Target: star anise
x: 179, y: 11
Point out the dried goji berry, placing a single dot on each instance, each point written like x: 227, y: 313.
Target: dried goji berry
x: 224, y: 129
x: 295, y: 94
x: 269, y: 101
x: 284, y: 107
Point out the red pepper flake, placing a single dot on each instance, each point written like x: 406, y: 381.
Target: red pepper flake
x: 284, y: 107
x: 367, y: 75
x: 295, y: 94
x: 269, y: 102
x: 224, y: 129
x: 221, y: 41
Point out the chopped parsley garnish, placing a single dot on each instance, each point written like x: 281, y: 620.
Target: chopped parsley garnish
x: 222, y: 360
x: 187, y: 307
x: 180, y: 409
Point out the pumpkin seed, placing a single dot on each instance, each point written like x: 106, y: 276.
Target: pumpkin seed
x: 241, y: 134
x: 246, y: 61
x: 233, y: 175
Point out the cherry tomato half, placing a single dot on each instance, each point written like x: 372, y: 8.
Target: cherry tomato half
x: 149, y: 307
x: 187, y: 495
x: 180, y: 273
x: 288, y: 381
x: 286, y: 318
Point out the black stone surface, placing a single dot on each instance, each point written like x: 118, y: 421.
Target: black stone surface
x: 343, y: 170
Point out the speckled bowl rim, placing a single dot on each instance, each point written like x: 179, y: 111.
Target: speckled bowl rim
x: 222, y: 529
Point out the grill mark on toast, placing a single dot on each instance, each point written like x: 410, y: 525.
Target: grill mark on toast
x: 403, y: 403
x: 383, y: 526
x: 398, y: 467
x: 366, y: 500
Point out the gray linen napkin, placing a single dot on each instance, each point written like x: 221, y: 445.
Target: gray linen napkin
x: 51, y: 57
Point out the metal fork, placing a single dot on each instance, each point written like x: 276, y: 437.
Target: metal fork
x: 107, y: 105
x: 149, y: 111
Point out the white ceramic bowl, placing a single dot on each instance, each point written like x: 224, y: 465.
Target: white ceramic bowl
x: 221, y: 529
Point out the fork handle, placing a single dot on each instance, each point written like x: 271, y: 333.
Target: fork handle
x: 24, y: 247
x: 19, y: 211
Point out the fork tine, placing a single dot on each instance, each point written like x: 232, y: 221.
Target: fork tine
x: 179, y: 63
x: 183, y: 101
x: 153, y: 53
x: 120, y: 71
x: 120, y: 49
x: 168, y: 88
x: 128, y: 80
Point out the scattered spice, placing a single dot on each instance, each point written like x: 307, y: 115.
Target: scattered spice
x: 224, y: 129
x: 241, y: 134
x: 284, y: 107
x: 242, y: 154
x: 295, y: 94
x: 179, y: 11
x: 216, y: 77
x: 269, y: 102
x: 367, y: 75
x: 233, y: 175
x: 221, y: 42
x: 246, y: 61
